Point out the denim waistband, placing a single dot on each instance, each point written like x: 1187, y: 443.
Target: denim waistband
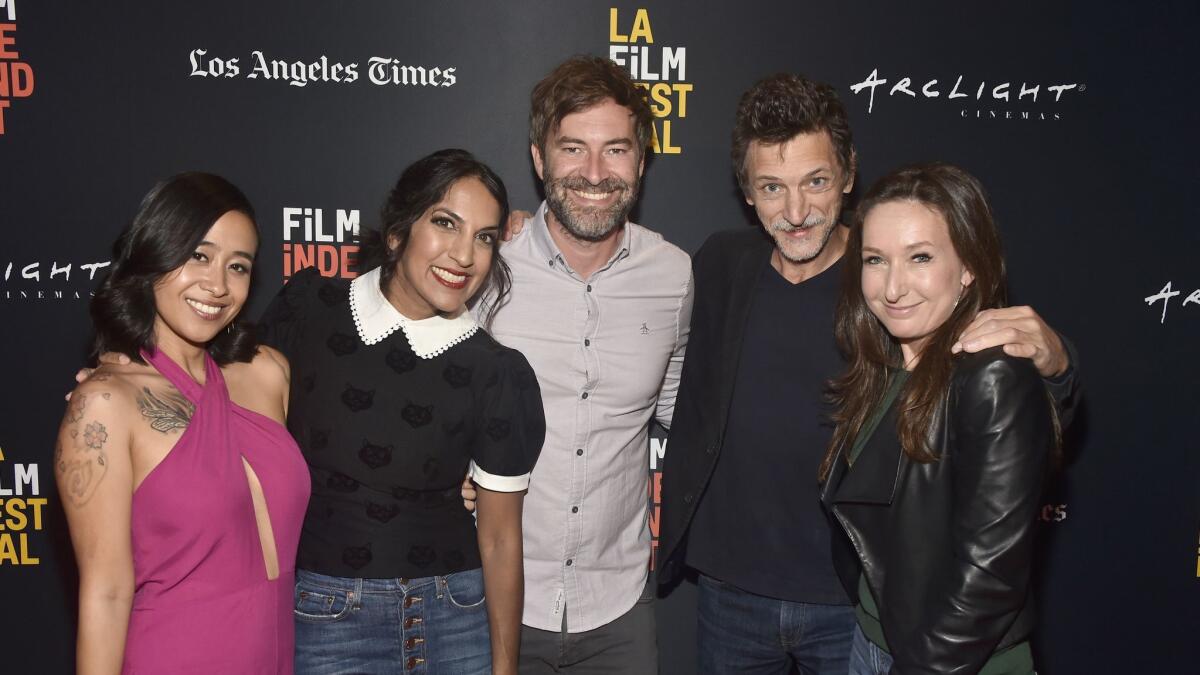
x: 397, y: 585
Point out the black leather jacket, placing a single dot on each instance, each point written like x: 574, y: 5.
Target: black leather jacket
x: 947, y: 547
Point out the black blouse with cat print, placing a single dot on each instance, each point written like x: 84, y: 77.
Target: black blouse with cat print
x: 388, y: 435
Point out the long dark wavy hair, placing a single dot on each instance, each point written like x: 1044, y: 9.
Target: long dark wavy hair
x: 424, y: 183
x: 170, y: 223
x: 868, y: 347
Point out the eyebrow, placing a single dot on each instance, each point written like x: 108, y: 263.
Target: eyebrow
x: 807, y: 175
x: 450, y: 213
x: 562, y: 140
x: 910, y: 247
x: 247, y: 256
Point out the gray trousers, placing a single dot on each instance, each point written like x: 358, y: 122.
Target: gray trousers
x: 627, y: 645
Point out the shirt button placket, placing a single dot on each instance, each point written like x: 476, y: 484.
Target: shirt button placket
x: 579, y: 488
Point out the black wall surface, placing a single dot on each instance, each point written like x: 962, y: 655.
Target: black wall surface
x: 1093, y: 178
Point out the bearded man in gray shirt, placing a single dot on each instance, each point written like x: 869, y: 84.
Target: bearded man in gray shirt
x: 600, y: 307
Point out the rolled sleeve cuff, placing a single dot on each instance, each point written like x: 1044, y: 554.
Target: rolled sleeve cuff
x: 491, y: 481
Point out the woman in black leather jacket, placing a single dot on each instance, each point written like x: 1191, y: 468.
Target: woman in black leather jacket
x: 938, y: 461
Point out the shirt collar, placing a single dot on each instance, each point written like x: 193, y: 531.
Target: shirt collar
x: 545, y: 246
x: 375, y: 318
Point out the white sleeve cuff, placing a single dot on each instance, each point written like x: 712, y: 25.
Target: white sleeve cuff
x: 496, y: 483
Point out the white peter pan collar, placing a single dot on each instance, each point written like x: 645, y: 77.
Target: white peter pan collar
x: 376, y: 318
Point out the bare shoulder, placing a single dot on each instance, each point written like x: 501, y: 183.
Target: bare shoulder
x: 268, y: 369
x: 111, y: 389
x: 260, y: 384
x: 272, y: 359
x: 95, y: 435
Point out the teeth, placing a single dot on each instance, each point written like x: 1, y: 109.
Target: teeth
x: 592, y: 195
x: 449, y: 276
x: 207, y: 309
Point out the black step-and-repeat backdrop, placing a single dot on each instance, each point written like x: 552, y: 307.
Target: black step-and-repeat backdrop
x: 1079, y: 119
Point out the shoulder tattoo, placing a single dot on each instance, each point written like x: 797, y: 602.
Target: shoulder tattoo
x: 83, y: 465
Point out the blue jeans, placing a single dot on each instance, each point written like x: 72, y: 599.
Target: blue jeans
x: 866, y: 658
x: 432, y: 625
x: 740, y: 632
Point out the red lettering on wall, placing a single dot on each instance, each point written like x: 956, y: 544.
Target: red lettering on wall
x: 330, y: 260
x: 7, y: 40
x: 16, y: 80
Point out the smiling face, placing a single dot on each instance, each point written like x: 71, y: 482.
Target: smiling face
x: 591, y: 169
x: 448, y: 253
x: 912, y: 277
x: 796, y: 188
x: 196, y: 301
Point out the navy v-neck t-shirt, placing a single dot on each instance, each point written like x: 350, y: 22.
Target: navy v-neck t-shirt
x: 760, y: 525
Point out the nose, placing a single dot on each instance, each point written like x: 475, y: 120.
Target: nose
x: 214, y: 281
x: 896, y: 286
x: 795, y: 207
x: 593, y: 169
x: 462, y: 251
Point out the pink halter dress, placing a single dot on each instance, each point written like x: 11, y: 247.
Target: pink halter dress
x: 203, y: 602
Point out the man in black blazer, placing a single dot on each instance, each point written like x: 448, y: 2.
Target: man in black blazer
x: 740, y: 498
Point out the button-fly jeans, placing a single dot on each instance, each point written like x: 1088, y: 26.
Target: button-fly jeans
x: 431, y: 625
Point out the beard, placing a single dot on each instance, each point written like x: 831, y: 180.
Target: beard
x: 801, y: 252
x: 589, y: 223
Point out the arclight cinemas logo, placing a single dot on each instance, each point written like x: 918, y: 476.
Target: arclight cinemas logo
x: 980, y: 99
x: 49, y: 280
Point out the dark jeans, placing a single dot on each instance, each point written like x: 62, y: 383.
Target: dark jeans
x: 432, y: 625
x: 740, y: 632
x: 627, y: 645
x: 866, y: 658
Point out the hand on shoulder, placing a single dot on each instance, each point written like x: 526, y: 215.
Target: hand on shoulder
x: 993, y: 371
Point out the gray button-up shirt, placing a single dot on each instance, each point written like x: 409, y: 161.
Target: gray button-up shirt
x: 607, y: 351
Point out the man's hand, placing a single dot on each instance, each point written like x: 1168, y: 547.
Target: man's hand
x: 468, y: 493
x: 107, y: 357
x: 516, y: 223
x: 1022, y: 333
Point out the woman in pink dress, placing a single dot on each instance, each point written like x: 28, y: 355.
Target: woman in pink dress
x: 183, y: 491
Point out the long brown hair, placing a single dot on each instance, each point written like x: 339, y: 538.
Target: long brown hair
x: 870, y: 350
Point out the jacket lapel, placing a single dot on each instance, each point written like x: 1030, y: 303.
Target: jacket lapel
x: 872, y: 479
x: 746, y: 273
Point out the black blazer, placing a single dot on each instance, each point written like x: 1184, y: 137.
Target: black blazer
x: 947, y: 546
x: 725, y: 270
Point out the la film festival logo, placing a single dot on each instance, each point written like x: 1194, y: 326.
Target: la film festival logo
x: 16, y: 76
x: 380, y: 70
x: 22, y: 511
x: 662, y: 71
x: 973, y: 98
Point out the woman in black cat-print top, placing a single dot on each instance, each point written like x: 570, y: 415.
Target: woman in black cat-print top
x: 396, y: 393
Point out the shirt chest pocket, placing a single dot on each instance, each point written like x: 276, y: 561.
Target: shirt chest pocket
x: 634, y: 352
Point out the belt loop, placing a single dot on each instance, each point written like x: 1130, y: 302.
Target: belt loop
x: 440, y: 582
x: 356, y: 594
